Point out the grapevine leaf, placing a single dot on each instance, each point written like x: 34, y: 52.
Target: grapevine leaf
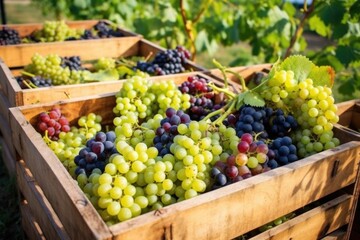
x: 300, y: 65
x: 254, y: 99
x: 322, y: 76
x: 102, y: 75
x: 239, y: 99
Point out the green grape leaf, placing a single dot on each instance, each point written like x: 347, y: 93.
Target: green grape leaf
x: 254, y: 99
x: 322, y: 76
x: 317, y: 25
x: 239, y: 100
x: 102, y: 76
x: 124, y: 71
x: 300, y: 65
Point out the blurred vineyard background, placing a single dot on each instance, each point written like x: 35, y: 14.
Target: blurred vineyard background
x: 235, y: 33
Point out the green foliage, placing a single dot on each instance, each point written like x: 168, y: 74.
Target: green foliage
x: 273, y: 28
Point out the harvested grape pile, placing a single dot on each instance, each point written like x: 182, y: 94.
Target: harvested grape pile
x: 168, y: 143
x: 55, y: 31
x: 45, y: 71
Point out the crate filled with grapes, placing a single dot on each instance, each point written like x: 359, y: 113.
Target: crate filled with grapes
x: 18, y: 42
x: 349, y: 117
x: 189, y: 157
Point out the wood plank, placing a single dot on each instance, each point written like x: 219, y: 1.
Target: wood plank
x: 20, y: 55
x: 38, y: 204
x: 74, y: 210
x: 215, y: 215
x: 26, y: 29
x: 7, y: 157
x: 354, y: 223
x: 313, y: 224
x: 29, y: 224
x: 9, y: 87
x: 336, y: 235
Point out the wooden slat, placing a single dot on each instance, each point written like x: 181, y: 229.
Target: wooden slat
x: 336, y: 235
x: 9, y: 87
x: 7, y: 156
x: 38, y: 204
x: 25, y: 29
x: 313, y: 224
x: 29, y: 224
x: 234, y: 210
x: 20, y: 55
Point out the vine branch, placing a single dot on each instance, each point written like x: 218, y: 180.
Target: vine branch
x: 300, y: 27
x: 188, y: 24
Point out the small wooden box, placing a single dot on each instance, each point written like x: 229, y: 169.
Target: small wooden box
x: 224, y: 213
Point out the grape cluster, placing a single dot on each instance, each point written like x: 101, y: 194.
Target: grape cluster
x: 54, y: 67
x: 251, y: 159
x: 280, y: 125
x: 33, y: 82
x: 55, y: 31
x: 202, y: 97
x: 9, y: 36
x: 104, y: 30
x: 169, y: 129
x: 98, y: 149
x: 167, y: 62
x: 73, y: 63
x: 252, y: 120
x: 283, y: 152
x: 51, y: 123
x: 146, y: 98
x: 104, y: 64
x: 312, y: 106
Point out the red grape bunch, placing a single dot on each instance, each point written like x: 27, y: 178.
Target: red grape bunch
x: 52, y: 123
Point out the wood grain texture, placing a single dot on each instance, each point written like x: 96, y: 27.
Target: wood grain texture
x: 336, y: 235
x: 8, y: 157
x: 38, y: 204
x: 313, y: 224
x: 29, y: 224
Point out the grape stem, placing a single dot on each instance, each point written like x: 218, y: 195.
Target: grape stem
x: 27, y: 74
x: 228, y: 111
x: 242, y: 80
x: 224, y: 90
x: 27, y: 84
x: 222, y: 69
x: 46, y: 138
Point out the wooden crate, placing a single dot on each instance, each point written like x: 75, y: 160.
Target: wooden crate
x: 263, y: 68
x: 115, y: 47
x: 349, y: 117
x: 221, y: 214
x: 20, y: 55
